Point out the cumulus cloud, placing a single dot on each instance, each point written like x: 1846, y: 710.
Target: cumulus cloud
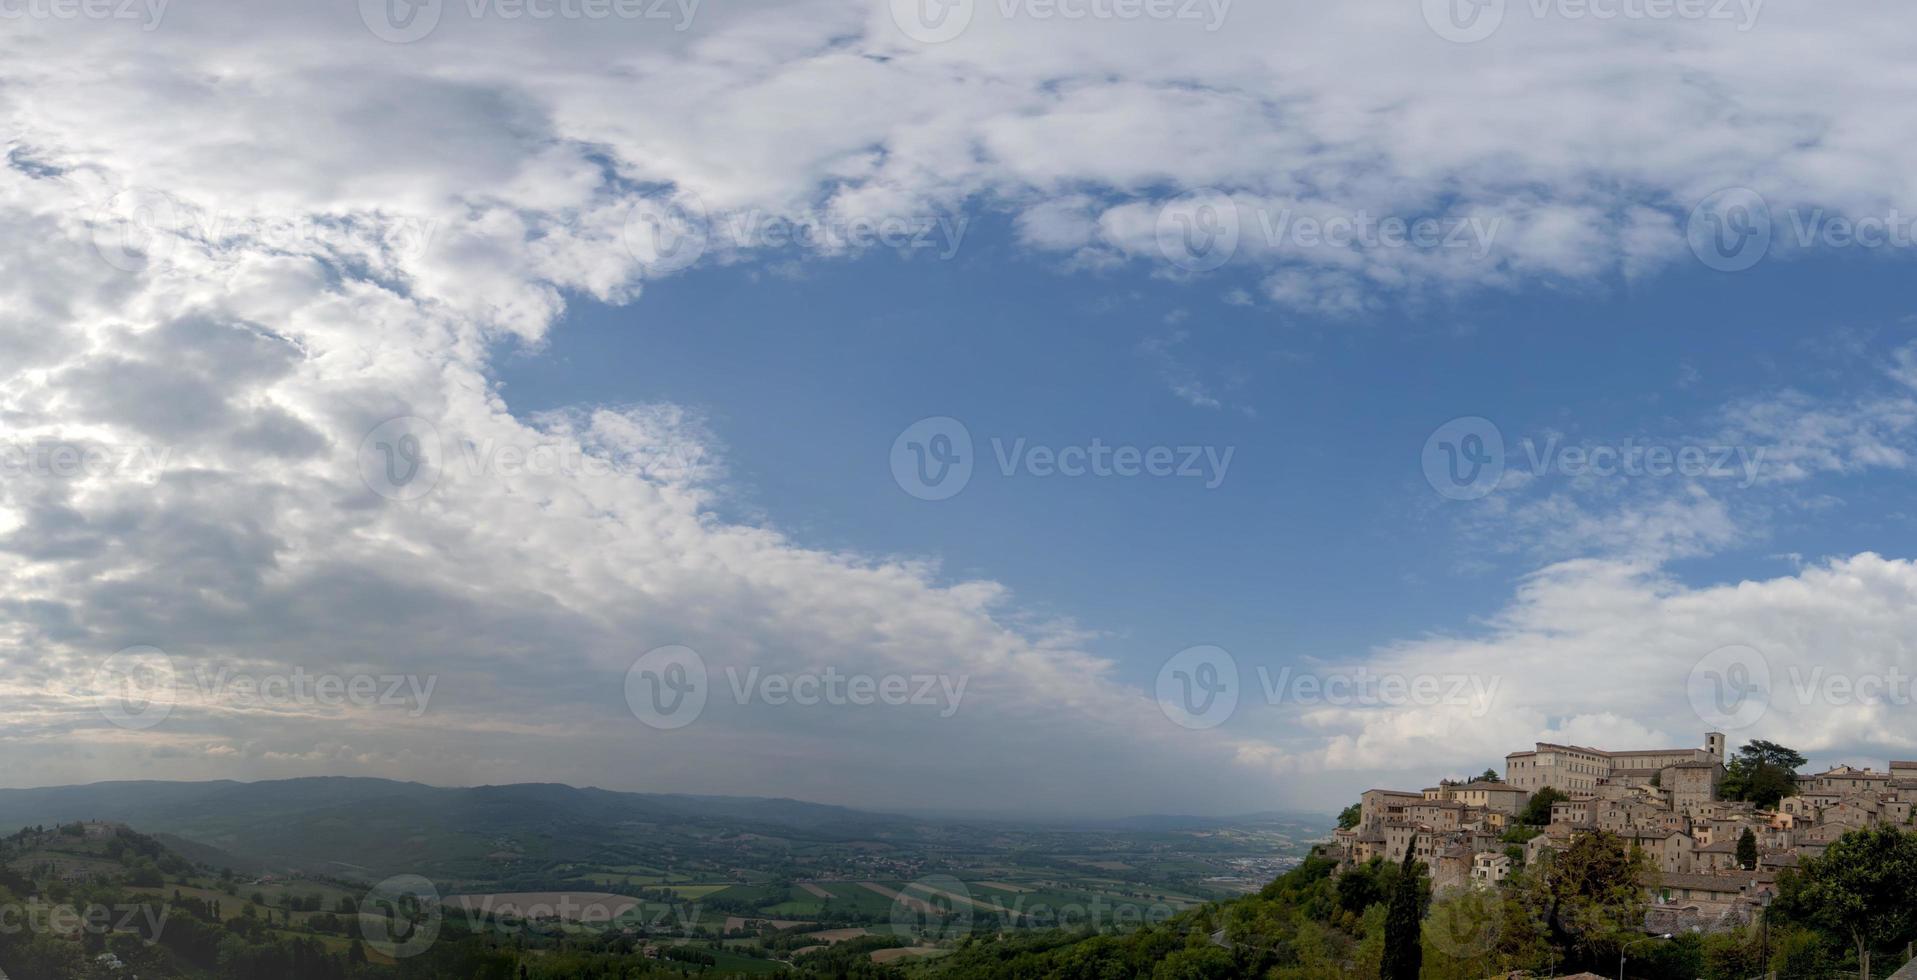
x: 242, y: 241
x: 1606, y: 653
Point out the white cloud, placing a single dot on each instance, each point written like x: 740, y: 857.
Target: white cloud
x: 1604, y: 653
x: 339, y: 231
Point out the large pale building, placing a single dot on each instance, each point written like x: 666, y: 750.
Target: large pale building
x: 1577, y: 769
x: 1376, y: 806
x: 1501, y: 797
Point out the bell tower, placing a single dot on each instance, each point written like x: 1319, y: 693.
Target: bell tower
x: 1714, y: 744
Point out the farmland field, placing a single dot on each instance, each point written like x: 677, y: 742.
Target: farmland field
x: 711, y: 902
x: 897, y: 953
x: 585, y: 907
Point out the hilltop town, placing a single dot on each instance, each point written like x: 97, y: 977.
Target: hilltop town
x: 1668, y: 802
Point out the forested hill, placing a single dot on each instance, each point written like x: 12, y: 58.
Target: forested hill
x: 380, y: 827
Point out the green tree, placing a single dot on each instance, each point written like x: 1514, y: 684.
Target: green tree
x: 1490, y: 776
x: 1537, y: 810
x: 1863, y: 887
x: 1196, y: 963
x: 1801, y: 953
x: 1731, y: 956
x: 1349, y: 816
x: 1747, y: 850
x: 1403, y: 935
x: 1762, y: 773
x: 1363, y: 886
x: 1593, y: 893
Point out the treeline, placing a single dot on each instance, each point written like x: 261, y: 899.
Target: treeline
x: 52, y: 928
x: 190, y: 948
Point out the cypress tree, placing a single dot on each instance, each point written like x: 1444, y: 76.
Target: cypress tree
x: 1403, y: 945
x: 1747, y: 850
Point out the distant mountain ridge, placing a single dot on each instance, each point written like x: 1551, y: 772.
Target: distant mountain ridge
x: 318, y: 822
x: 535, y: 836
x: 114, y: 799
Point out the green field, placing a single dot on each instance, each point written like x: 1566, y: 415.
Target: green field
x: 861, y: 899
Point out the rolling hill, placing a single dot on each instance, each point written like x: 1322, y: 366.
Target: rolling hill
x: 376, y: 827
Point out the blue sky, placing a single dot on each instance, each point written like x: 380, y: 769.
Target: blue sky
x: 1324, y: 540
x: 555, y: 371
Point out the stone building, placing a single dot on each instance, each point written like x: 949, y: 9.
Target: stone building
x: 1573, y: 812
x: 1490, y: 867
x: 1502, y: 797
x: 1440, y: 816
x: 1663, y: 801
x: 1577, y: 769
x: 1692, y: 783
x: 1843, y: 781
x: 1376, y: 806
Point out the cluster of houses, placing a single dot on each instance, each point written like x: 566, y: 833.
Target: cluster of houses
x: 1664, y: 801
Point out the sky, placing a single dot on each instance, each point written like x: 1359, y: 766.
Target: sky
x: 1034, y: 407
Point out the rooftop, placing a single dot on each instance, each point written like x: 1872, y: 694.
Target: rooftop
x: 1730, y: 883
